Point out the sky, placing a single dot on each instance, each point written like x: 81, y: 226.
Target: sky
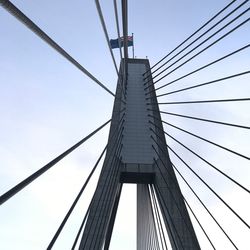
x: 47, y: 105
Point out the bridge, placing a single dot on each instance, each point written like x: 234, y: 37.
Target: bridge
x: 179, y: 128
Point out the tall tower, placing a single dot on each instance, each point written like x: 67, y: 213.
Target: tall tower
x: 137, y: 153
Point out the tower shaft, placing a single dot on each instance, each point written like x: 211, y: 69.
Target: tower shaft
x: 137, y: 153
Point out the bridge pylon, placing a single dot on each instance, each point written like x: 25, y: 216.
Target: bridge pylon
x: 137, y: 153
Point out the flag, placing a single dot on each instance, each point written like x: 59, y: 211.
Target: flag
x: 130, y: 41
x: 114, y: 43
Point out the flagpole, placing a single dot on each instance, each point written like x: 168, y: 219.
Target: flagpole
x: 133, y: 48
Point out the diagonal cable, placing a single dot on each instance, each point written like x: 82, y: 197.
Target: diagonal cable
x: 81, y: 226
x: 209, y: 21
x: 204, y: 139
x: 79, y: 195
x: 204, y: 101
x: 205, y: 207
x: 122, y: 69
x: 13, y: 191
x: 215, y: 193
x: 204, y: 49
x: 204, y: 120
x: 201, y: 68
x: 181, y: 196
x: 165, y: 219
x: 169, y: 188
x: 156, y: 208
x: 204, y: 160
x: 203, y: 84
x: 106, y: 195
x: 98, y: 7
x: 12, y: 9
x: 106, y: 33
x: 117, y: 147
x: 110, y: 181
x: 75, y: 201
x: 221, y: 20
x: 117, y: 27
x: 162, y: 202
x: 125, y: 28
x: 157, y: 220
x: 154, y: 221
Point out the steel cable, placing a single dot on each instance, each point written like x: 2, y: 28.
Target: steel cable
x: 184, y: 201
x: 204, y: 139
x: 203, y: 84
x: 201, y: 68
x: 12, y: 9
x: 204, y: 101
x: 79, y: 194
x: 209, y: 21
x: 217, y: 223
x: 217, y: 23
x: 208, y: 186
x: 42, y: 170
x: 210, y: 45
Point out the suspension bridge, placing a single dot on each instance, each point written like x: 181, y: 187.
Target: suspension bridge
x: 179, y: 129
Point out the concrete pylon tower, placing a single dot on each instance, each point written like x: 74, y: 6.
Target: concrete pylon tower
x: 137, y: 153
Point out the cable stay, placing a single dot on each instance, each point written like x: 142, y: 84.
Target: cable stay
x: 204, y: 49
x: 125, y: 27
x: 12, y: 9
x: 229, y: 207
x: 204, y: 120
x: 117, y: 27
x: 150, y: 224
x: 205, y: 207
x: 81, y: 191
x: 75, y: 202
x: 204, y: 160
x: 199, y: 69
x: 203, y: 84
x: 163, y: 204
x: 159, y: 229
x: 122, y: 76
x: 175, y: 202
x: 210, y: 45
x: 98, y: 7
x: 203, y: 139
x: 218, y: 196
x: 199, y: 223
x: 87, y: 212
x: 13, y: 191
x: 195, y: 195
x: 189, y: 186
x: 125, y: 37
x: 157, y: 209
x: 109, y: 179
x: 204, y: 41
x: 81, y: 226
x: 168, y: 186
x: 204, y: 25
x: 181, y: 195
x: 204, y: 101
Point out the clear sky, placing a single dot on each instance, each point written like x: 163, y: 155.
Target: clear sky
x: 47, y: 105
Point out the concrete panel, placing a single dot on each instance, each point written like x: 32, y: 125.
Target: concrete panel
x: 137, y: 142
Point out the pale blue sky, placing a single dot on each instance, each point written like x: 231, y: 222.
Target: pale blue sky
x: 46, y: 105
